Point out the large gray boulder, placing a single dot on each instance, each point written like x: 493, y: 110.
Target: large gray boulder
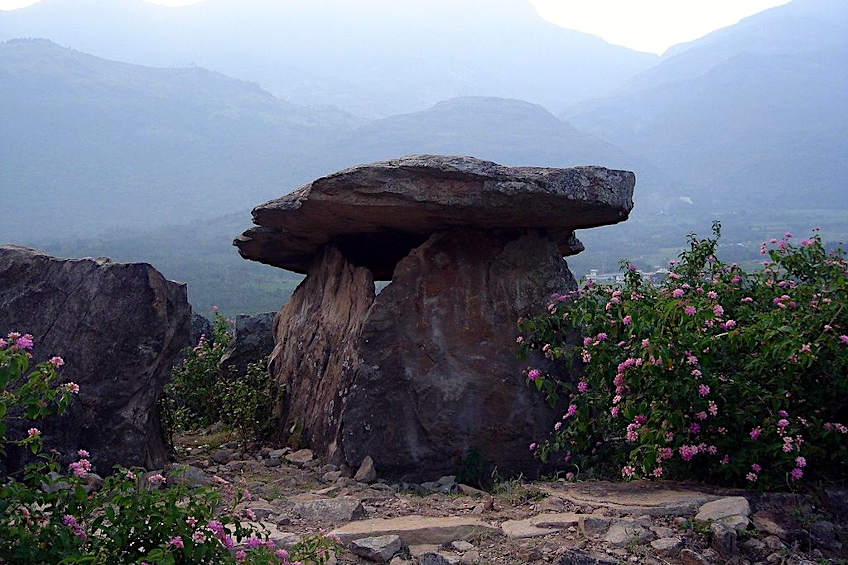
x: 252, y: 341
x: 118, y: 328
x: 426, y: 370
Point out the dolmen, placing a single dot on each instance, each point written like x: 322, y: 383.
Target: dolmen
x: 425, y: 372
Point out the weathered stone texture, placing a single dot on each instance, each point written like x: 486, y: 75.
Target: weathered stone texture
x: 439, y: 373
x: 316, y: 348
x: 426, y: 370
x: 118, y: 328
x: 252, y: 341
x: 379, y: 212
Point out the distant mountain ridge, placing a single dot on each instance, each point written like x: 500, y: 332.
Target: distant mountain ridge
x: 373, y: 58
x: 746, y: 125
x: 750, y: 116
x: 104, y: 145
x: 100, y: 145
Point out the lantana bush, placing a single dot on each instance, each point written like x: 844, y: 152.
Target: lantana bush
x: 61, y: 516
x: 714, y: 373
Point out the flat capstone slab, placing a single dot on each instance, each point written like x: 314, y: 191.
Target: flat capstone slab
x: 377, y: 213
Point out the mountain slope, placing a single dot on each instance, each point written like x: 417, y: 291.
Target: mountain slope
x: 94, y: 144
x: 752, y: 116
x: 374, y: 58
x: 507, y: 131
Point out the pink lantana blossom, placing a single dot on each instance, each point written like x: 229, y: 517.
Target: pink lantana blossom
x: 24, y: 342
x: 687, y: 452
x: 690, y: 310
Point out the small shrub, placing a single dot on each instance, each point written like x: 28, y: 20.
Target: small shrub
x: 474, y: 470
x: 714, y: 374
x: 191, y: 399
x: 246, y: 401
x: 199, y: 395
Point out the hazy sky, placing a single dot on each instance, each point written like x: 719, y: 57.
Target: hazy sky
x: 644, y: 25
x: 649, y: 25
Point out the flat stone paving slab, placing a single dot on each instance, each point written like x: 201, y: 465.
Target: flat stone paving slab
x: 417, y: 530
x: 634, y: 497
x: 540, y: 525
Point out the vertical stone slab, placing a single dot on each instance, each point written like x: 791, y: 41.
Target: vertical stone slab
x: 315, y: 356
x: 439, y: 372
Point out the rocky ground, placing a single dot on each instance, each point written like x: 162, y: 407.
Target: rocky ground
x: 579, y: 523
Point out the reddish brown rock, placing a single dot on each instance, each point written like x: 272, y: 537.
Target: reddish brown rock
x: 439, y: 374
x: 316, y: 349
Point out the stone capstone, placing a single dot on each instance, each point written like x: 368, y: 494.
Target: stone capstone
x: 377, y: 213
x: 426, y: 372
x: 118, y: 327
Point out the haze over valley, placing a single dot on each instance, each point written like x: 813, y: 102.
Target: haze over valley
x: 147, y: 134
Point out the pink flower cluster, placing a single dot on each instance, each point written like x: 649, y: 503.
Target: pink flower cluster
x: 71, y: 522
x: 18, y: 341
x: 82, y: 467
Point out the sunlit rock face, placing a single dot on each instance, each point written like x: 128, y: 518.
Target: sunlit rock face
x: 427, y: 370
x: 118, y: 328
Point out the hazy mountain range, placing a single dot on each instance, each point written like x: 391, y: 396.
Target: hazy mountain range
x: 746, y: 125
x: 374, y: 58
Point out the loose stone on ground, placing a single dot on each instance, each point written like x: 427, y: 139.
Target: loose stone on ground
x: 659, y: 523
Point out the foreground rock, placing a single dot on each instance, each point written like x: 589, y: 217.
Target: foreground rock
x: 118, y: 328
x: 424, y: 373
